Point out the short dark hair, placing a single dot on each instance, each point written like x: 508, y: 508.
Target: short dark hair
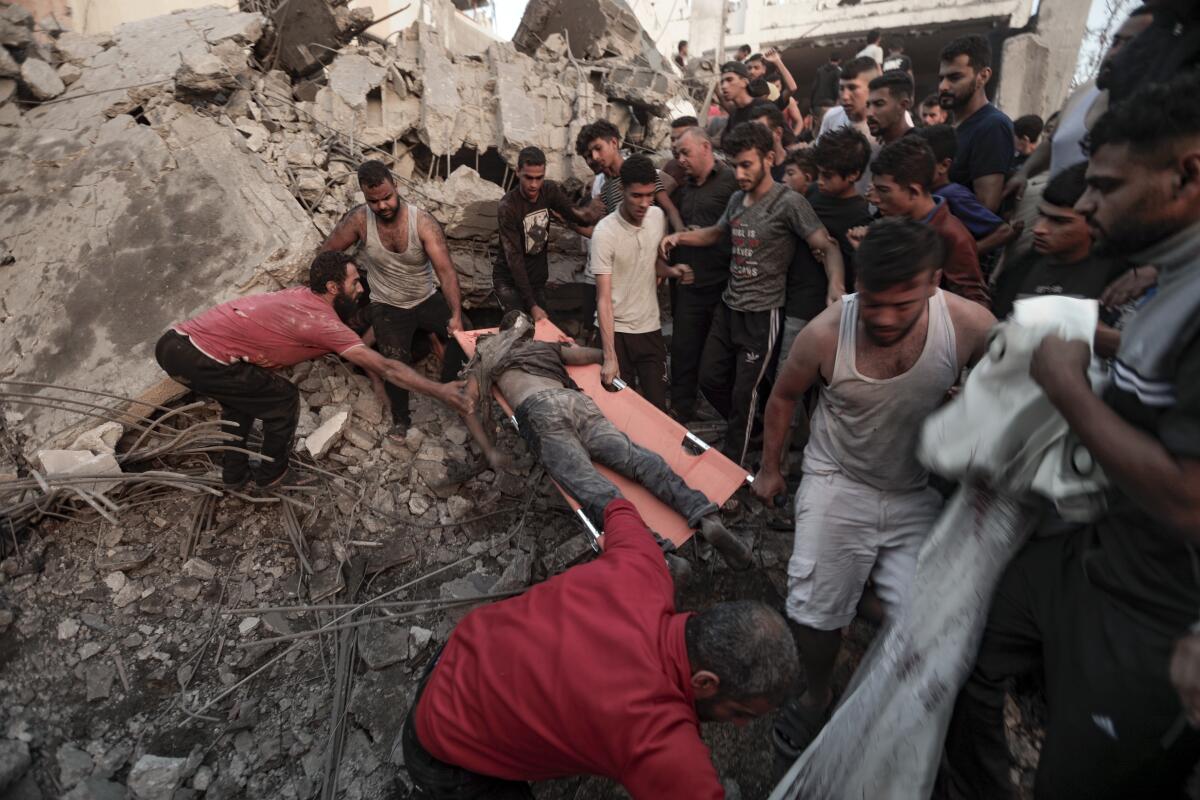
x: 755, y: 57
x: 373, y: 173
x: 737, y: 68
x: 907, y: 160
x: 682, y: 44
x: 748, y: 646
x: 600, y: 129
x: 942, y: 140
x: 748, y: 136
x: 874, y: 35
x: 1065, y: 188
x: 895, y: 81
x: 326, y: 267
x: 771, y: 112
x: 684, y: 122
x: 857, y: 66
x: 974, y: 47
x: 533, y: 156
x: 896, y: 250
x: 1154, y: 115
x: 895, y: 44
x: 843, y: 150
x: 835, y: 56
x: 803, y: 159
x: 931, y: 100
x: 638, y: 169
x: 1030, y: 126
x: 743, y: 48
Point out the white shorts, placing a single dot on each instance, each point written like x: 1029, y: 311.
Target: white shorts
x: 847, y: 532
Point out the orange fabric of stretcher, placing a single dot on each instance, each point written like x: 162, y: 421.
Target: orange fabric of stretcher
x: 709, y: 472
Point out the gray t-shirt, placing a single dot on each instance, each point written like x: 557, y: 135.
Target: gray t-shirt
x: 764, y: 238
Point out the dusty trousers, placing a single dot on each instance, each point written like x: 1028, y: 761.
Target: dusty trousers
x: 246, y: 392
x: 566, y: 431
x: 692, y: 310
x: 394, y: 332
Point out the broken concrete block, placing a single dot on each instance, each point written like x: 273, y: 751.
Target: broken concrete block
x: 97, y: 789
x: 310, y: 183
x: 73, y: 765
x: 17, y: 14
x: 300, y: 152
x: 14, y: 761
x: 8, y: 87
x: 383, y: 646
x: 359, y: 437
x: 308, y: 35
x: 9, y: 68
x: 156, y: 777
x: 98, y: 680
x: 517, y: 575
x: 440, y: 102
x: 256, y: 135
x: 65, y: 463
x: 204, y: 73
x: 10, y: 117
x: 471, y: 212
x: 595, y: 28
x: 351, y: 76
x: 69, y: 73
x: 101, y: 439
x: 41, y: 80
x: 322, y: 440
x: 199, y: 568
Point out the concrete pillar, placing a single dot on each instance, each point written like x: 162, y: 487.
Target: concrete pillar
x: 1038, y: 66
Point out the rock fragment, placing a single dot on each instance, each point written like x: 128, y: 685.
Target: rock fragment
x: 156, y: 777
x: 41, y: 80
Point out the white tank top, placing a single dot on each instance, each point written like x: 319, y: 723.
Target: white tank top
x: 867, y: 428
x: 403, y: 279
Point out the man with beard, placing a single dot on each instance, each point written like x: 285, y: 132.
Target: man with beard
x: 230, y: 352
x: 1094, y: 613
x: 883, y: 359
x: 766, y: 222
x: 888, y: 106
x: 401, y: 247
x: 932, y: 112
x: 985, y: 133
x: 594, y: 672
x: 703, y: 197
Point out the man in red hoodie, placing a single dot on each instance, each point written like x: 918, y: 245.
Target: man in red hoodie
x: 593, y: 672
x: 901, y: 176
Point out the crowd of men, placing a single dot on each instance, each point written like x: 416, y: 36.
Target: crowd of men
x: 832, y: 264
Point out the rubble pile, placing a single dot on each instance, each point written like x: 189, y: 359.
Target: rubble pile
x: 182, y: 163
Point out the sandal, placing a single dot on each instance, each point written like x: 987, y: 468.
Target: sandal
x: 797, y: 726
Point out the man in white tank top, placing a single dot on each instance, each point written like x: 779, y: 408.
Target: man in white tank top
x: 884, y: 358
x: 402, y: 249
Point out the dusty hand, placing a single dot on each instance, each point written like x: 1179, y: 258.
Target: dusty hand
x: 773, y: 56
x: 855, y: 235
x: 1059, y: 364
x: 684, y: 274
x: 768, y: 484
x: 1185, y: 675
x: 609, y: 371
x: 538, y: 314
x: 1131, y: 285
x: 454, y: 395
x: 455, y: 324
x: 668, y: 244
x: 497, y: 460
x: 1014, y: 188
x: 834, y: 293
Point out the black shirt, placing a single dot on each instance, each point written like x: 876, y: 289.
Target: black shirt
x: 1035, y: 275
x: 701, y: 206
x: 825, y: 85
x: 740, y: 115
x: 985, y: 146
x: 839, y: 215
x: 524, y: 232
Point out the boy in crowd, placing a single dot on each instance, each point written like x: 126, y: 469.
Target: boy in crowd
x: 841, y: 157
x: 989, y: 230
x: 602, y: 142
x: 1027, y: 130
x: 901, y: 176
x: 800, y: 171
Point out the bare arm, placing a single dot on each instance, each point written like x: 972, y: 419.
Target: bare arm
x: 698, y: 237
x: 604, y: 315
x: 1163, y: 485
x: 789, y: 83
x: 972, y: 323
x: 800, y: 371
x: 835, y: 270
x: 495, y: 458
x: 406, y: 377
x: 434, y: 242
x: 345, y: 234
x: 989, y: 189
x: 1001, y: 236
x: 582, y: 356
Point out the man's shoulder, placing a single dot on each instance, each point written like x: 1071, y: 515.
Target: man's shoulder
x: 608, y: 226
x: 968, y: 317
x: 989, y: 117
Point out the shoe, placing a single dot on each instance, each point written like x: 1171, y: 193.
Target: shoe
x: 737, y: 554
x: 235, y: 476
x: 796, y: 726
x: 272, y: 480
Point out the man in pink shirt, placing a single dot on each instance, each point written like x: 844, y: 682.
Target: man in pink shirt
x: 230, y: 353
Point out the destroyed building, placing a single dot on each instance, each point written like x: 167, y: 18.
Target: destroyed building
x: 182, y: 159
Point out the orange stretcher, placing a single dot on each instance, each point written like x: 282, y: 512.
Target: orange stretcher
x: 701, y: 467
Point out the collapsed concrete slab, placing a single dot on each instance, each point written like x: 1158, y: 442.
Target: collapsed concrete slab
x: 595, y: 29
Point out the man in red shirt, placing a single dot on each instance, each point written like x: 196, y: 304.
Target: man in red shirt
x: 900, y: 179
x: 593, y: 672
x: 230, y: 352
